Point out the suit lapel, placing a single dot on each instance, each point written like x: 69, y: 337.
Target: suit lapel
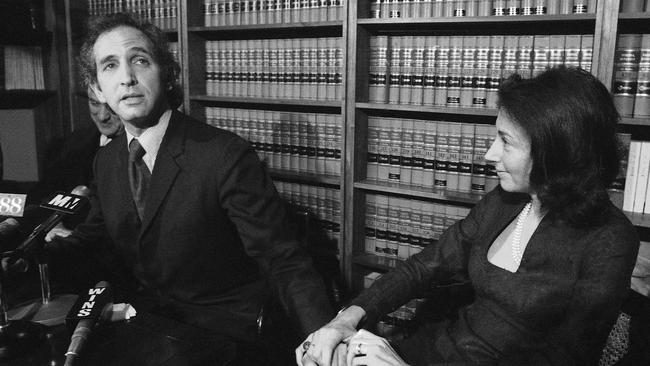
x: 165, y: 169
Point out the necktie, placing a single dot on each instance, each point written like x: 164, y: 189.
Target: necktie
x: 139, y: 175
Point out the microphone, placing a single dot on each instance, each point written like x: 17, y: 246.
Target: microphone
x: 90, y: 309
x: 63, y: 204
x: 9, y: 227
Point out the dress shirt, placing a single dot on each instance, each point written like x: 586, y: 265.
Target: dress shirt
x: 151, y: 138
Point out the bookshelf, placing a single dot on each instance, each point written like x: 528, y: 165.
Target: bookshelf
x: 272, y: 72
x: 253, y: 28
x: 362, y: 107
x: 30, y: 98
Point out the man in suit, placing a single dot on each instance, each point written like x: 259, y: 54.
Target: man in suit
x: 192, y: 214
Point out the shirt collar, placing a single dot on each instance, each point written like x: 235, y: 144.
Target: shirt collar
x: 151, y: 139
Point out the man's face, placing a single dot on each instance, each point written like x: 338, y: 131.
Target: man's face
x: 128, y: 77
x: 107, y: 122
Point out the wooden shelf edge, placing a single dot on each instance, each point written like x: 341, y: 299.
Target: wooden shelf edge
x: 634, y: 16
x: 638, y: 219
x: 375, y: 262
x: 266, y: 27
x: 635, y: 121
x: 330, y: 180
x: 246, y: 100
x: 22, y: 99
x: 490, y: 112
x: 480, y: 20
x: 420, y: 192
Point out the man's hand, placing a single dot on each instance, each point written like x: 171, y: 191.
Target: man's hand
x: 58, y: 230
x: 326, y: 345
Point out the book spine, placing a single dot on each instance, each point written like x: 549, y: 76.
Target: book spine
x: 394, y: 69
x: 417, y: 78
x: 428, y: 172
x: 541, y: 53
x: 626, y: 67
x: 642, y: 97
x: 469, y: 72
x: 381, y: 224
x: 455, y: 69
x: 370, y: 228
x: 406, y: 67
x: 383, y: 150
x: 394, y: 169
x: 466, y: 157
x: 372, y: 152
x: 429, y: 82
x: 417, y: 169
x: 481, y: 146
x: 586, y: 51
x: 406, y: 156
x: 442, y: 71
x: 642, y: 178
x: 526, y: 56
x: 442, y: 155
x: 495, y: 66
x: 491, y: 177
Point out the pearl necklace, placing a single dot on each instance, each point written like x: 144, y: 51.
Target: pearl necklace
x: 516, y: 236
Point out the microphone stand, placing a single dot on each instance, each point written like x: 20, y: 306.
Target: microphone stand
x: 48, y: 310
x: 16, y: 336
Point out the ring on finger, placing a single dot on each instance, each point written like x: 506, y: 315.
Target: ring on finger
x: 306, y: 345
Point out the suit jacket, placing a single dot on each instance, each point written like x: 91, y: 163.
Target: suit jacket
x: 213, y: 233
x: 557, y: 308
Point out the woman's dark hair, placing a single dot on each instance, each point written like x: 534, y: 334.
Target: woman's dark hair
x: 571, y: 121
x: 170, y: 70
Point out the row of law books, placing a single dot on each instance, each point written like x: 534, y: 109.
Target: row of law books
x: 162, y: 13
x: 431, y: 154
x: 631, y: 79
x: 297, y: 142
x: 398, y: 227
x: 402, y: 319
x: 464, y: 71
x: 21, y: 67
x: 298, y: 68
x: 321, y: 202
x: 250, y: 12
x: 473, y: 8
x: 636, y: 195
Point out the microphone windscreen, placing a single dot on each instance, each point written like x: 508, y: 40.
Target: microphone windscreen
x: 91, y: 305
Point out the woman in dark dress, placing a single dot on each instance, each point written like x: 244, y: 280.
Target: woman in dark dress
x: 548, y: 255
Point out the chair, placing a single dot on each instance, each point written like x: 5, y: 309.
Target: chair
x: 628, y: 342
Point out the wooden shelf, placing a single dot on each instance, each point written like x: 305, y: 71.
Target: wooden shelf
x: 419, y: 192
x: 266, y: 27
x: 638, y: 219
x: 23, y: 99
x: 634, y: 16
x: 320, y: 179
x: 268, y: 101
x: 506, y: 24
x: 635, y: 121
x: 490, y: 112
x: 375, y: 262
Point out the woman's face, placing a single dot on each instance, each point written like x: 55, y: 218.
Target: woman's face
x: 510, y: 154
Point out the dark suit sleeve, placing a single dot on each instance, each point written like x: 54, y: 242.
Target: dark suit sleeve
x: 248, y: 195
x: 441, y: 263
x: 82, y: 258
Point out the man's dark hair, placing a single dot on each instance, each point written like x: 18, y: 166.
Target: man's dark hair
x: 571, y: 119
x: 170, y: 70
